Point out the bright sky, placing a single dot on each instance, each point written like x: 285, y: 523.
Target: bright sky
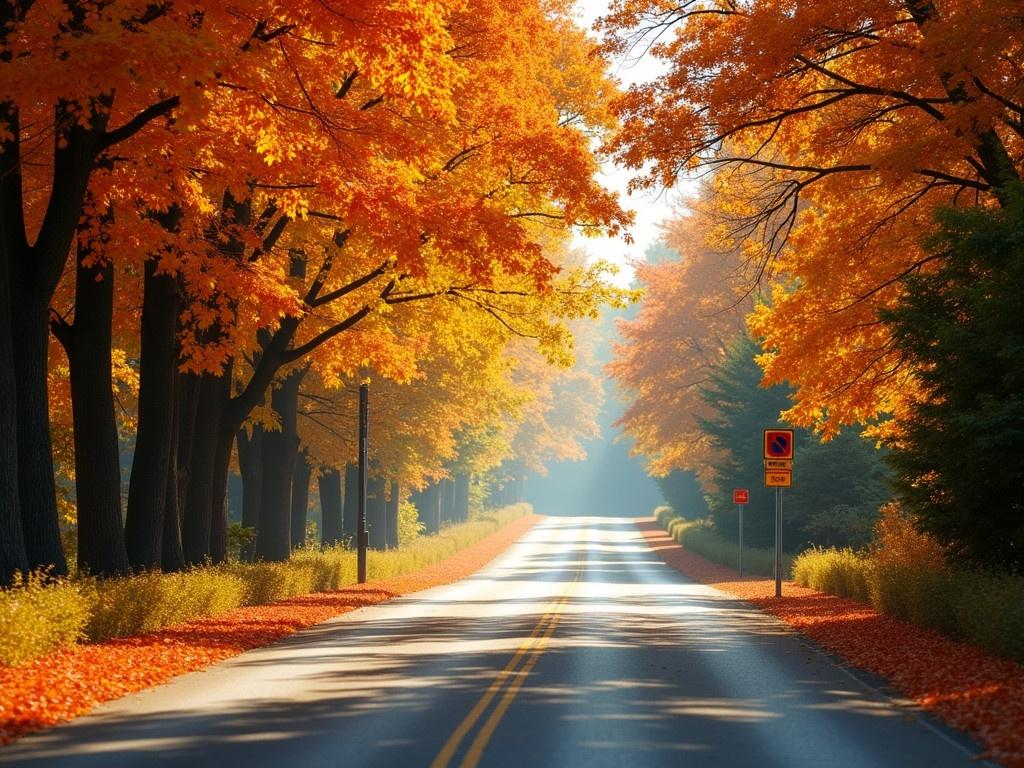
x: 651, y: 207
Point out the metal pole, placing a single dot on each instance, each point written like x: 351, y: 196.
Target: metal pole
x: 778, y: 542
x: 362, y: 536
x: 739, y: 508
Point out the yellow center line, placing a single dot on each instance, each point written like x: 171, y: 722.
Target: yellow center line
x: 483, y: 736
x: 530, y: 650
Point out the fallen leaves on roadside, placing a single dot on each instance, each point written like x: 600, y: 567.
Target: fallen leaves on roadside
x: 70, y: 682
x: 967, y: 687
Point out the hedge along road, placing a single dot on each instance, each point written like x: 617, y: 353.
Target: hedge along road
x: 578, y: 647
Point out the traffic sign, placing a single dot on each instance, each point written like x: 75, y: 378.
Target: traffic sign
x: 778, y: 463
x: 778, y: 478
x: 778, y: 443
x: 740, y: 496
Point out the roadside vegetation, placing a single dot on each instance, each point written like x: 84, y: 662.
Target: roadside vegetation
x: 39, y: 615
x: 700, y: 537
x: 850, y: 268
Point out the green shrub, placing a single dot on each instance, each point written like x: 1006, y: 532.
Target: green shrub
x: 989, y: 609
x: 150, y: 601
x: 409, y: 525
x: 836, y: 571
x: 697, y: 536
x: 39, y: 615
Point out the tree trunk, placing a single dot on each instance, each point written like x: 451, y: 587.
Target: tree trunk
x: 101, y: 548
x: 219, y: 501
x: 448, y: 502
x: 202, y: 456
x: 391, y: 514
x: 171, y: 556
x: 36, y: 490
x: 12, y: 540
x: 461, y: 492
x: 300, y: 498
x: 376, y: 521
x: 250, y: 463
x: 280, y: 448
x: 351, y: 518
x: 147, y: 488
x: 329, y: 483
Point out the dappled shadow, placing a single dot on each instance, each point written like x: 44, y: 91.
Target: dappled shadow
x: 641, y: 667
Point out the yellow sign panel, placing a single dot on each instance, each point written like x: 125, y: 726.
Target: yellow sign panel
x: 778, y: 464
x: 778, y: 478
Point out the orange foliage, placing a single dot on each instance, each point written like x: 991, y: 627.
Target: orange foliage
x: 693, y: 308
x: 838, y: 129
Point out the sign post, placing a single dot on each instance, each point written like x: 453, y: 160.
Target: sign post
x: 778, y: 474
x: 740, y: 497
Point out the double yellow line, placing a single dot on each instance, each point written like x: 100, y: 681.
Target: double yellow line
x: 506, y: 684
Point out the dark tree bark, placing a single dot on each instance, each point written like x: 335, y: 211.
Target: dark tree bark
x: 101, y: 547
x: 202, y: 455
x: 280, y: 449
x: 461, y: 493
x: 219, y: 492
x: 171, y: 556
x: 12, y: 540
x: 448, y: 501
x: 329, y: 484
x: 12, y: 244
x: 351, y: 518
x: 376, y: 520
x: 147, y: 488
x: 250, y: 462
x: 391, y: 516
x: 430, y: 512
x: 300, y: 498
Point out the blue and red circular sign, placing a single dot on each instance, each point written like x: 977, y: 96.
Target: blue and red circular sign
x: 778, y: 443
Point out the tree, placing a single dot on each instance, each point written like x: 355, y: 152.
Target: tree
x: 693, y: 308
x: 836, y: 129
x: 838, y: 486
x: 957, y: 448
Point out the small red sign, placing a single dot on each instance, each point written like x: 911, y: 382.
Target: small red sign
x: 778, y: 443
x: 740, y: 496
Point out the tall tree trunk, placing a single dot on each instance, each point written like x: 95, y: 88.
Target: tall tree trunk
x: 376, y: 521
x: 391, y: 514
x: 202, y: 456
x: 280, y: 449
x: 351, y: 518
x: 250, y: 463
x: 448, y: 502
x: 34, y: 273
x: 329, y: 483
x: 147, y: 488
x: 171, y: 556
x: 12, y: 540
x: 36, y: 489
x: 101, y: 547
x: 300, y: 498
x: 431, y: 514
x: 461, y: 493
x: 219, y: 500
x: 13, y: 245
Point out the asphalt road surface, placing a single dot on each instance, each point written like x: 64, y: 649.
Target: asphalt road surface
x: 578, y: 647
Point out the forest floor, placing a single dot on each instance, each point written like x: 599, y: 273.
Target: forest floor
x: 70, y: 682
x: 965, y: 686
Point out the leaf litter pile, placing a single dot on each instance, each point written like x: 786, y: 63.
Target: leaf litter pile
x: 68, y: 683
x: 968, y: 688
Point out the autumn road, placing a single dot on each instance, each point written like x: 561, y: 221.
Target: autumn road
x: 576, y: 648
